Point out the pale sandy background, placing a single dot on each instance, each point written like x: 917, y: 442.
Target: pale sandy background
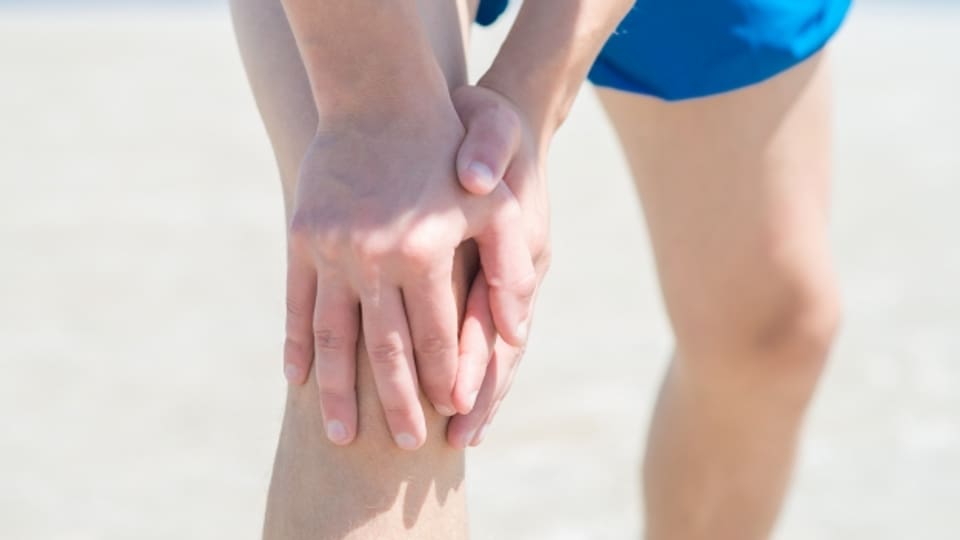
x: 141, y: 281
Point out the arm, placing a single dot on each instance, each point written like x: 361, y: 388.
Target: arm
x: 369, y: 489
x: 367, y: 66
x: 539, y: 70
x: 545, y: 59
x: 511, y: 116
x: 377, y: 216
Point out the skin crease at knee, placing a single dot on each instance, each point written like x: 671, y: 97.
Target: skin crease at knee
x: 738, y: 224
x: 370, y: 489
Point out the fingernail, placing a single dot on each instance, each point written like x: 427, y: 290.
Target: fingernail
x: 445, y: 410
x: 406, y: 441
x: 336, y: 432
x: 522, y: 330
x: 480, y: 434
x: 482, y: 173
x: 468, y: 438
x: 472, y: 398
x: 292, y: 373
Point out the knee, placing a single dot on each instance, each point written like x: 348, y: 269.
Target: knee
x: 785, y: 318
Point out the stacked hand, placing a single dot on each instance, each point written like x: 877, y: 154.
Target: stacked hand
x: 377, y: 217
x: 499, y: 137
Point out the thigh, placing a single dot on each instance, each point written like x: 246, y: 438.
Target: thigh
x: 735, y: 191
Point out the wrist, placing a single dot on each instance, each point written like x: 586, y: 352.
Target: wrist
x: 378, y: 90
x: 365, y: 66
x: 542, y: 112
x: 547, y: 55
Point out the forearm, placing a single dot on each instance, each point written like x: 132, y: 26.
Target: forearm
x: 365, y: 56
x: 548, y: 53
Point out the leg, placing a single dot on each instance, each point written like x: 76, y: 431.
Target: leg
x: 735, y: 191
x: 369, y: 489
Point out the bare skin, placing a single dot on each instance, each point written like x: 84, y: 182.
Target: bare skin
x: 370, y: 489
x: 735, y: 189
x: 378, y: 213
x: 736, y: 194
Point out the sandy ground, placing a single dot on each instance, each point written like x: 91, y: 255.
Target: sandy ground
x: 141, y: 281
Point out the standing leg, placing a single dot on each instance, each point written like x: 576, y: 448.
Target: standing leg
x: 369, y: 489
x: 735, y: 191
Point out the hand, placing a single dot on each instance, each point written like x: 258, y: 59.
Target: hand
x: 499, y: 144
x: 377, y: 216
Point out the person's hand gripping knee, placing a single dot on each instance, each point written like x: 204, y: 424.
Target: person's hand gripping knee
x: 498, y: 152
x: 378, y: 215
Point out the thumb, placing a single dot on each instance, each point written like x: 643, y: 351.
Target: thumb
x: 492, y: 139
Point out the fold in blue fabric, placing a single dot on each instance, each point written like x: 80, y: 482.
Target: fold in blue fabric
x: 490, y: 10
x: 682, y: 49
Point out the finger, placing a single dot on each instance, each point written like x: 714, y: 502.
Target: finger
x: 477, y: 337
x: 301, y: 295
x: 387, y: 338
x: 335, y: 328
x: 462, y: 429
x: 432, y: 313
x: 492, y: 139
x: 502, y: 390
x: 509, y: 270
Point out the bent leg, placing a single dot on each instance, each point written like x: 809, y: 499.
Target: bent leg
x: 369, y: 489
x: 735, y: 190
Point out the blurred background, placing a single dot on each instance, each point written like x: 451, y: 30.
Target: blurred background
x: 141, y: 286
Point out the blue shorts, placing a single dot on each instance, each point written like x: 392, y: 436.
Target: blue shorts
x: 681, y: 49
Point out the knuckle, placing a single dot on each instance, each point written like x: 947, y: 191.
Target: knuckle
x: 367, y: 247
x: 523, y: 288
x: 327, y: 339
x: 361, y: 246
x: 416, y: 251
x: 421, y: 246
x: 301, y: 226
x: 388, y: 352
x: 434, y: 346
x: 308, y: 233
x: 297, y: 310
x: 526, y: 287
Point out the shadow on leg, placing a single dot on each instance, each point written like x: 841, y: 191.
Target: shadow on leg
x: 369, y: 489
